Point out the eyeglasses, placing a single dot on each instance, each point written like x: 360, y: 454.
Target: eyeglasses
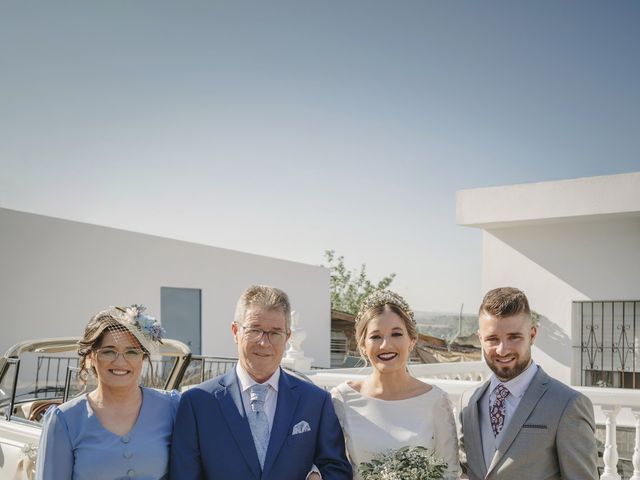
x: 276, y: 337
x: 110, y: 354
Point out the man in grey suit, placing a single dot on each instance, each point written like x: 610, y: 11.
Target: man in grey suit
x: 522, y: 424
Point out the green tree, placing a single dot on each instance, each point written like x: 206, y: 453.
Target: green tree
x: 350, y: 287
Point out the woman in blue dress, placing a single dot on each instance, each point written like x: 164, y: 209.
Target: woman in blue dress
x: 119, y: 430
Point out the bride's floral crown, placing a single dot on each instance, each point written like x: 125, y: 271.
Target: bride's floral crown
x: 384, y: 297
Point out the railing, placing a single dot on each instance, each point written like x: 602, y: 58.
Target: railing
x: 51, y: 373
x: 613, y: 407
x: 203, y: 368
x: 616, y: 407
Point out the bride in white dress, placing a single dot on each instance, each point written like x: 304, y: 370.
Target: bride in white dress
x: 390, y: 409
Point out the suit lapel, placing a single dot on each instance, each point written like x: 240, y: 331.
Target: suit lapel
x: 238, y: 425
x: 473, y: 444
x: 529, y: 400
x: 285, y: 408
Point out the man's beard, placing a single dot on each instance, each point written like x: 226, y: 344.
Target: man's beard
x: 508, y: 373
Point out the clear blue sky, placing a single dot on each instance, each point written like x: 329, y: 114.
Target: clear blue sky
x: 287, y: 128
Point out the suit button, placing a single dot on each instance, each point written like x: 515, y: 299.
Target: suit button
x: 131, y: 473
x: 125, y: 439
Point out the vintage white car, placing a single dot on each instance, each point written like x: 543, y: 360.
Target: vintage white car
x: 36, y: 374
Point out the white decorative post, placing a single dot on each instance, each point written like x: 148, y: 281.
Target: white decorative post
x: 294, y: 357
x: 610, y: 456
x: 636, y: 450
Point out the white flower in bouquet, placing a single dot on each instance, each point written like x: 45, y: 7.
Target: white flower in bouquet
x: 406, y: 463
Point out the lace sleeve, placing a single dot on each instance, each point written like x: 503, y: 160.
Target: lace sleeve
x: 446, y: 437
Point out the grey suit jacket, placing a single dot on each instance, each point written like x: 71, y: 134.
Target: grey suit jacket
x: 550, y: 436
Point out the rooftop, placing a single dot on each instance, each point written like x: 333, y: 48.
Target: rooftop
x: 544, y: 202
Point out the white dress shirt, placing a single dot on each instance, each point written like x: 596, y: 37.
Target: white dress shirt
x: 517, y: 387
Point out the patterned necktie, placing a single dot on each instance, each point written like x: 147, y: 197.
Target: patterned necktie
x: 258, y: 420
x: 497, y: 409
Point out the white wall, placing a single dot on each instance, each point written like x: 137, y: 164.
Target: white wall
x: 56, y: 273
x: 558, y: 263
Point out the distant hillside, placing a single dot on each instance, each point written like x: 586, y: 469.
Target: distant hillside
x: 445, y: 324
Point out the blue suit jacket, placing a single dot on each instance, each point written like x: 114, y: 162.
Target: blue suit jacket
x: 212, y: 439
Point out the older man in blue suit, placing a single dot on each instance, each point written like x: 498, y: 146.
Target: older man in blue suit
x: 256, y: 421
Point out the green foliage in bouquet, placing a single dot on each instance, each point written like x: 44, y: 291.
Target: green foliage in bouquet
x: 406, y: 463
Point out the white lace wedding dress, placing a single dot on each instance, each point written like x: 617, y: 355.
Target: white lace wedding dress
x: 372, y: 426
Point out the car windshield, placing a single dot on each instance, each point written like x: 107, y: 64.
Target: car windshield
x: 204, y: 368
x: 6, y: 384
x: 43, y: 376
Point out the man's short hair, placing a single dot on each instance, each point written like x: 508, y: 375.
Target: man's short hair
x: 504, y: 302
x: 265, y: 297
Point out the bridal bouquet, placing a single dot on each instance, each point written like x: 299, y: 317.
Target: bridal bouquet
x: 407, y: 463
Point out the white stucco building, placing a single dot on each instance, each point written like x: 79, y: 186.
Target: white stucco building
x: 56, y: 273
x: 574, y: 248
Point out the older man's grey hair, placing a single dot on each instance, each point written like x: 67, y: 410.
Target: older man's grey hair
x: 264, y: 297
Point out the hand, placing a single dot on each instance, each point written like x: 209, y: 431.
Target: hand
x: 314, y: 476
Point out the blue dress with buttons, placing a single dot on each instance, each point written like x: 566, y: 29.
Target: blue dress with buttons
x: 75, y: 446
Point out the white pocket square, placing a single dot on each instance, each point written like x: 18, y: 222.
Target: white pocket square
x: 301, y: 427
